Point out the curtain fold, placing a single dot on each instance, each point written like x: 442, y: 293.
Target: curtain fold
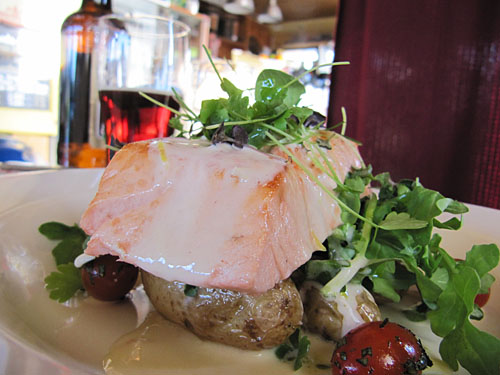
x: 422, y: 91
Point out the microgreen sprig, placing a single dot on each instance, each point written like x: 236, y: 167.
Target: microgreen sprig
x: 315, y: 179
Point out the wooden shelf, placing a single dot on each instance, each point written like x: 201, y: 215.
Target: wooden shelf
x: 252, y: 37
x: 232, y: 43
x: 313, y: 31
x: 177, y: 9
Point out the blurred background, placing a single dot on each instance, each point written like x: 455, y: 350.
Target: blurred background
x: 422, y: 91
x: 30, y: 53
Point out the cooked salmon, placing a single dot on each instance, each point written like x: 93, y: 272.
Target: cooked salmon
x: 214, y: 215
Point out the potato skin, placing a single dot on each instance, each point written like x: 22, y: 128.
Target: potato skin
x: 323, y: 317
x: 228, y: 317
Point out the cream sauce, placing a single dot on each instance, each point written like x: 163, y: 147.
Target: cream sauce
x: 161, y: 347
x: 347, y: 305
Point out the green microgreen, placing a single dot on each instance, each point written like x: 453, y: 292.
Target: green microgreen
x: 344, y: 120
x: 314, y: 178
x: 160, y: 104
x: 275, y: 110
x: 190, y: 290
x: 295, y: 349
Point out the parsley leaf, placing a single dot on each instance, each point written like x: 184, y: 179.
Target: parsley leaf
x: 58, y: 231
x: 68, y: 249
x: 64, y: 283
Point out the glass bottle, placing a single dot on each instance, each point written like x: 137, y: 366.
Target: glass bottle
x: 77, y: 32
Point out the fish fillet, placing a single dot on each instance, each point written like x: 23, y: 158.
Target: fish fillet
x: 214, y: 215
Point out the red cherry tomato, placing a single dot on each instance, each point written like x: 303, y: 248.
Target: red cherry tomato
x: 379, y: 348
x: 107, y: 279
x: 482, y: 298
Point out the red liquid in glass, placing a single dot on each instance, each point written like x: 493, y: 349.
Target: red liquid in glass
x: 126, y: 116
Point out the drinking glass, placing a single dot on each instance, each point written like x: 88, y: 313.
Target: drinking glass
x: 137, y: 54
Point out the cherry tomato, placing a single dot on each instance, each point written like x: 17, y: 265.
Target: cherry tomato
x: 379, y: 348
x: 482, y: 298
x: 107, y: 279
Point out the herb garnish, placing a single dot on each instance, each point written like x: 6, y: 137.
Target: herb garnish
x: 295, y: 349
x: 66, y: 281
x: 275, y: 110
x: 190, y: 290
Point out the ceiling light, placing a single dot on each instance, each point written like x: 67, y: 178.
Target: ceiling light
x: 241, y: 7
x: 273, y: 14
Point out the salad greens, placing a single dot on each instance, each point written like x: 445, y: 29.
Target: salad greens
x: 386, y: 241
x: 394, y: 254
x: 274, y: 110
x: 66, y: 281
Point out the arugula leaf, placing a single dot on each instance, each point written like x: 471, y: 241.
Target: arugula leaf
x: 257, y: 137
x: 175, y: 123
x: 401, y: 220
x: 302, y: 114
x: 451, y: 224
x: 394, y: 247
x: 275, y: 109
x: 477, y: 351
x: 230, y: 88
x: 213, y: 111
x: 456, y: 302
x: 64, y: 283
x: 483, y: 258
x: 486, y: 281
x: 277, y: 86
x: 385, y: 288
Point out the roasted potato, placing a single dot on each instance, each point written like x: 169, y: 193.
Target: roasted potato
x: 228, y: 317
x: 326, y: 317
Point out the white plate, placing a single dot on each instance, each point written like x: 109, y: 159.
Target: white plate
x: 41, y: 336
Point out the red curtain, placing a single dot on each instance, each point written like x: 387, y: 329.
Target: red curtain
x: 422, y: 91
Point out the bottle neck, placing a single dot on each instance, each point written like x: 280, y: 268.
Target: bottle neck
x: 102, y: 4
